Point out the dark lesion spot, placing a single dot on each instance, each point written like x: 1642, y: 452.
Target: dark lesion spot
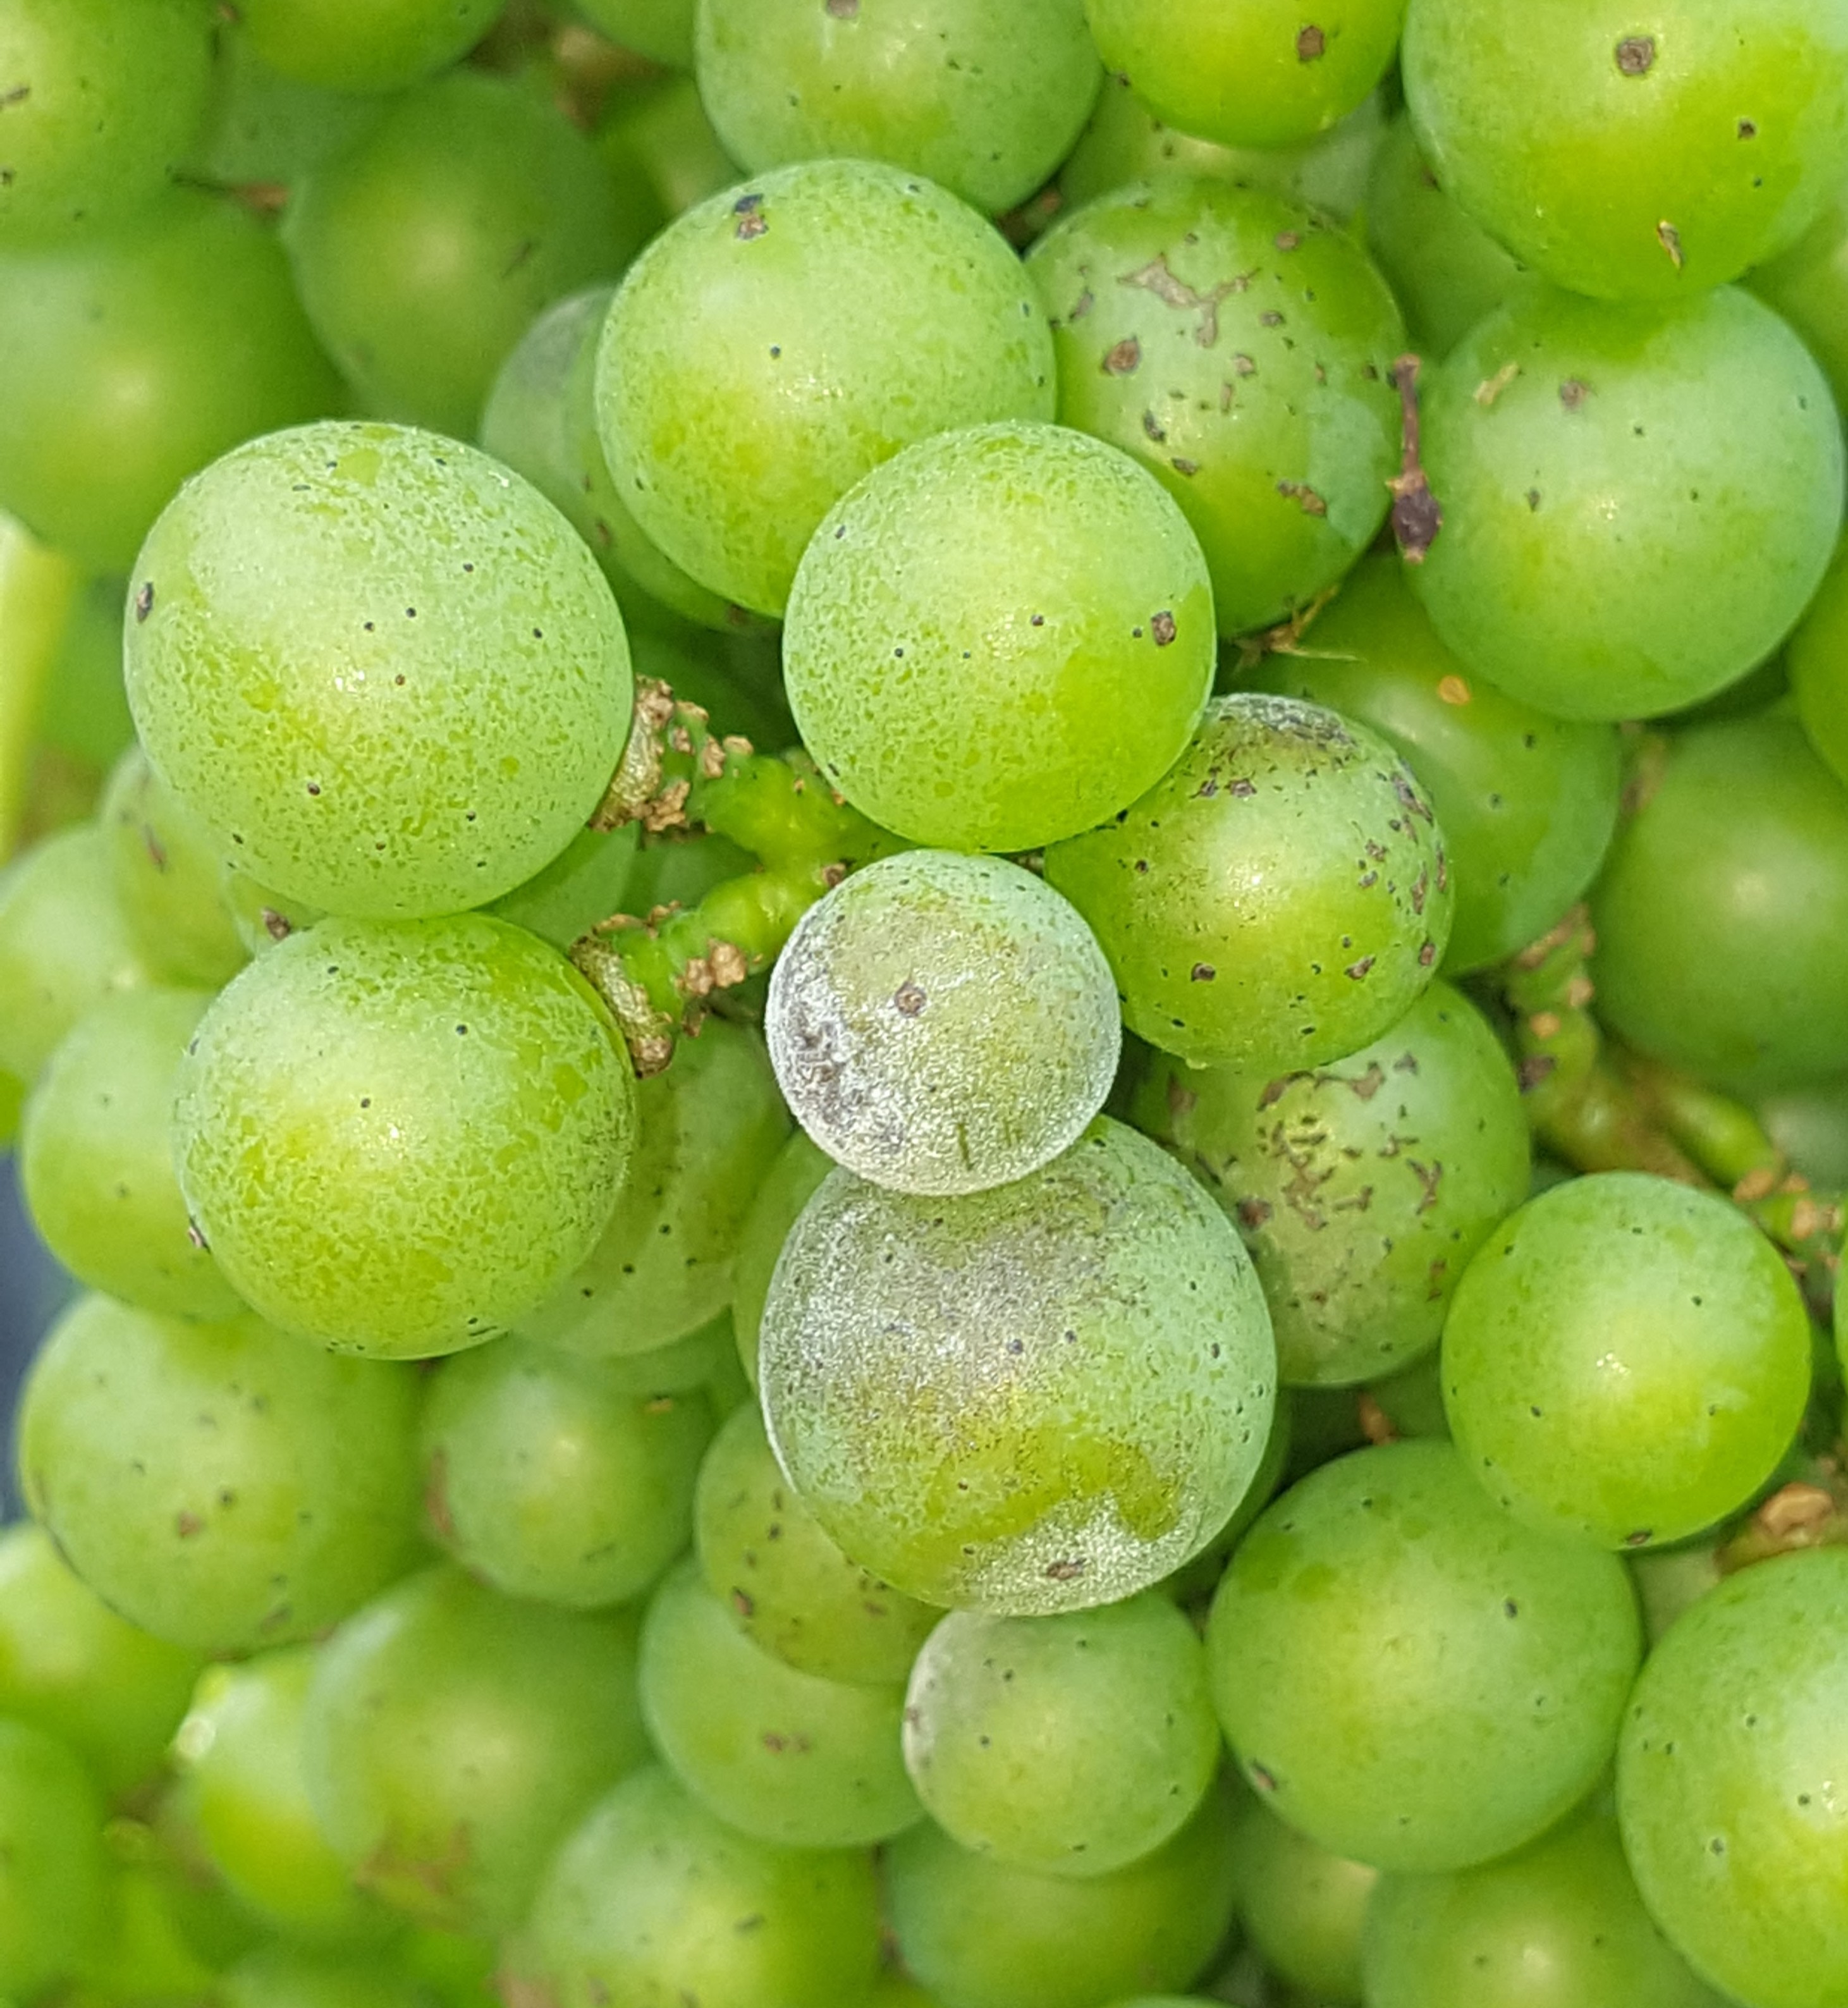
x: 1636, y: 55
x: 1163, y: 628
x: 1748, y: 129
x: 1311, y: 44
x: 144, y: 601
x: 1573, y: 393
x: 1304, y: 496
x: 1203, y: 972
x: 752, y: 222
x: 1123, y: 359
x: 908, y: 1000
x: 1067, y: 1571
x: 844, y: 10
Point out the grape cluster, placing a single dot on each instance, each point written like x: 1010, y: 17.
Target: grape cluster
x: 924, y: 932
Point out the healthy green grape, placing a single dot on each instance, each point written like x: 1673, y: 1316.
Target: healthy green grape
x: 378, y: 667
x: 1638, y: 501
x: 660, y: 30
x: 1633, y: 157
x: 784, y: 1190
x: 1809, y: 286
x: 1240, y: 346
x: 245, y: 1794
x: 281, y: 1977
x: 83, y: 709
x: 708, y: 1130
x: 453, y: 1738
x: 780, y: 1755
x: 987, y: 101
x: 748, y: 375
x: 1723, y: 913
x: 1410, y: 1678
x: 941, y: 1024
x: 1040, y: 1398
x: 168, y: 1933
x: 266, y: 130
x: 1361, y: 1188
x: 1255, y: 74
x: 677, y: 1368
x: 1818, y: 660
x: 96, y: 1157
x: 54, y: 1892
x: 111, y: 401
x: 586, y: 882
x: 223, y: 1486
x: 792, y: 1590
x: 1193, y: 1585
x: 168, y: 880
x: 1728, y: 1782
x: 1072, y: 1745
x: 1626, y: 1361
x: 652, y: 1899
x: 69, y: 1665
x: 371, y: 45
x: 102, y: 100
x: 544, y: 1477
x: 1000, y: 637
x: 981, y: 1934
x: 1810, y: 1125
x: 1302, y: 1907
x: 660, y: 137
x: 1281, y: 896
x: 1527, y: 803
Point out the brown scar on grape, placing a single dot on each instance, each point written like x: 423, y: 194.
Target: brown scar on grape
x: 18, y: 95
x: 1573, y: 393
x: 1490, y: 388
x: 1636, y: 55
x: 909, y: 999
x: 436, y: 1497
x: 1123, y: 359
x: 752, y: 221
x: 187, y: 1525
x: 1162, y: 627
x: 1304, y: 496
x: 1748, y: 129
x: 1417, y: 515
x: 144, y: 601
x: 844, y: 10
x: 1375, y: 1424
x: 1067, y: 1571
x: 1671, y: 239
x: 1158, y: 278
x: 1311, y: 44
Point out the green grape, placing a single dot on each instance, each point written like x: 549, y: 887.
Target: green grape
x: 1362, y: 1188
x: 738, y: 679
x: 1558, y: 1925
x: 1000, y: 637
x: 797, y: 1169
x: 110, y: 402
x: 168, y: 879
x: 261, y: 917
x: 54, y: 1892
x: 941, y: 1024
x: 652, y: 1899
x: 64, y: 945
x: 1728, y: 1782
x: 660, y: 30
x: 1410, y: 1678
x: 1281, y: 896
x: 1036, y: 1399
x: 708, y: 1129
x: 1809, y: 286
x: 663, y: 138
x: 12, y: 1097
x: 1072, y: 1745
x: 1302, y: 1907
x: 1527, y: 803
x: 1194, y: 1583
x: 1818, y: 663
x: 460, y: 1972
x: 1255, y: 74
x: 1810, y: 1125
x: 69, y: 1665
x: 780, y: 1755
x: 83, y: 709
x: 727, y: 1387
x: 1262, y: 401
x: 425, y: 250
x: 96, y: 1157
x: 1668, y: 1580
x: 981, y: 1935
x: 987, y: 101
x: 792, y: 1590
x: 1631, y: 164
x: 102, y: 100
x: 545, y: 1478
x: 369, y: 45
x: 169, y: 1933
x: 1638, y: 501
x: 676, y: 1368
x: 454, y: 1737
x: 431, y: 766
x: 245, y: 1794
x: 896, y: 1990
x: 584, y: 884
x: 222, y: 1485
x: 1626, y: 1361
x: 748, y: 376
x: 1722, y: 914
x: 1412, y: 1400
x: 265, y: 130
x: 281, y: 1976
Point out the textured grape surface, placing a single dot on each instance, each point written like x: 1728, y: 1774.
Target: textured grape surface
x: 169, y: 877
x: 54, y: 1892
x: 1036, y: 1399
x: 1302, y: 1907
x: 363, y: 45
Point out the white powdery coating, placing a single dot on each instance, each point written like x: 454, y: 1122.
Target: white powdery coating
x: 942, y: 1024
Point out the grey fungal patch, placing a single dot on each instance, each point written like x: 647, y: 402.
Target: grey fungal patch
x: 144, y: 601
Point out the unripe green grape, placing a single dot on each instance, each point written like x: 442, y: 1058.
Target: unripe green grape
x: 1000, y: 637
x: 1262, y: 403
x: 986, y: 101
x: 380, y: 669
x: 369, y: 45
x: 1818, y: 659
x: 979, y: 1934
x: 1626, y: 1360
x: 545, y: 1479
x: 1527, y: 803
x: 169, y: 877
x: 111, y: 402
x: 783, y: 1755
x: 96, y: 1157
x: 1631, y: 164
x: 1728, y: 1788
x: 660, y: 30
x: 652, y: 1899
x: 169, y: 1932
x: 260, y: 916
x: 1302, y: 1907
x: 453, y: 1738
x: 1809, y: 286
x: 1036, y: 1399
x: 1638, y: 501
x: 222, y: 1485
x: 785, y: 1189
x: 748, y: 375
x: 941, y: 1023
x: 282, y: 1976
x: 84, y: 709
x: 1723, y: 913
x: 70, y: 1666
x: 1810, y: 1125
x: 53, y: 1890
x: 678, y: 1368
x: 264, y: 128
x: 1257, y: 73
x: 1410, y: 1678
x: 1362, y: 1188
x: 1072, y: 1745
x: 586, y: 882
x: 103, y: 97
x: 1282, y: 896
x: 663, y: 138
x: 764, y: 1554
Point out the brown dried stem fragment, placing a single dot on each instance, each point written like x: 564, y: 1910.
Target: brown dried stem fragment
x: 1417, y: 515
